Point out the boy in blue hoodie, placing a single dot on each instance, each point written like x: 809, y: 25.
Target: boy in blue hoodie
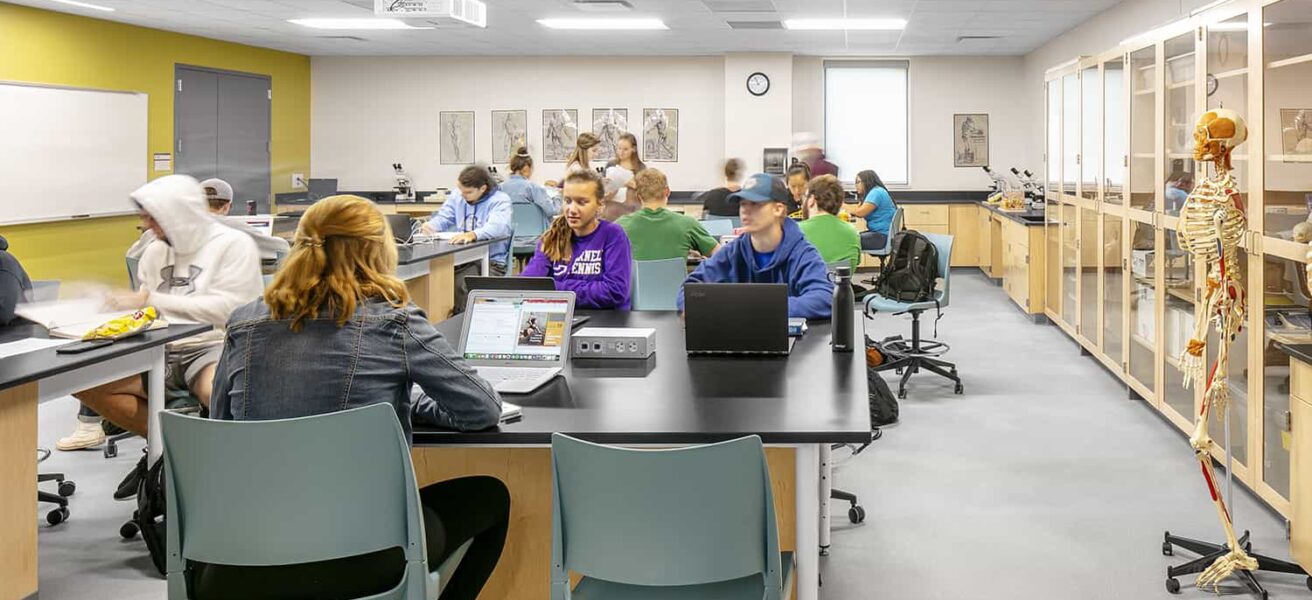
x: 772, y: 249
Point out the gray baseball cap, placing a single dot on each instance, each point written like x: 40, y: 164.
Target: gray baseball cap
x: 217, y: 189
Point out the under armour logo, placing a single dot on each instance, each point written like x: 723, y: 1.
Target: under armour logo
x: 172, y: 284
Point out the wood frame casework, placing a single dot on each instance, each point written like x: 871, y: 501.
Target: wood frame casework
x: 1118, y: 136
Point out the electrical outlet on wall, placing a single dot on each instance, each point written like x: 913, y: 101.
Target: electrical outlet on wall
x: 298, y: 181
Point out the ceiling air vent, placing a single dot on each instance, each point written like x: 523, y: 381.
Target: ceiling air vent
x: 755, y: 24
x: 739, y: 6
x: 976, y: 38
x: 603, y: 6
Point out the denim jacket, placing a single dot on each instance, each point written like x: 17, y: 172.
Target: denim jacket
x: 270, y: 372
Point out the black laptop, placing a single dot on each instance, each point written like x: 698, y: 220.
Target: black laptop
x: 513, y: 284
x: 736, y: 318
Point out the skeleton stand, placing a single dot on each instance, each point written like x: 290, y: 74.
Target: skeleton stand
x: 1209, y: 552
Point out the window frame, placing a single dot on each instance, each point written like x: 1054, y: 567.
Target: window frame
x: 905, y: 66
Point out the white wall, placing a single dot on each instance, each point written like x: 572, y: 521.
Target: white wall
x: 753, y: 123
x: 939, y: 88
x: 367, y: 112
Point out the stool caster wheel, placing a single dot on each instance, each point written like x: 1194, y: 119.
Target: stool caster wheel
x: 66, y: 488
x: 128, y: 530
x: 902, y: 394
x: 111, y: 451
x: 960, y: 389
x: 57, y: 516
x: 824, y: 551
x: 898, y: 370
x: 1167, y: 549
x: 856, y: 514
x: 1172, y: 585
x: 1309, y: 583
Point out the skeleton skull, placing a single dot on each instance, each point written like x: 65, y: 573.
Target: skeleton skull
x: 1217, y: 133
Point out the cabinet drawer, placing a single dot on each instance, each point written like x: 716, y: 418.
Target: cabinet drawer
x: 1300, y: 493
x: 925, y: 214
x: 1300, y: 379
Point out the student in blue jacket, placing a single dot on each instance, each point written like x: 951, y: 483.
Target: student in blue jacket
x: 480, y: 211
x: 772, y: 249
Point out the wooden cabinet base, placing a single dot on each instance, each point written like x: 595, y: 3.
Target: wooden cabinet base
x: 1300, y: 455
x: 436, y: 291
x: 524, y: 571
x: 18, y: 514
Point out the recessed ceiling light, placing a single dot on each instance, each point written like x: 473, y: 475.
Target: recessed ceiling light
x: 606, y: 24
x: 845, y: 24
x: 84, y: 5
x: 368, y: 23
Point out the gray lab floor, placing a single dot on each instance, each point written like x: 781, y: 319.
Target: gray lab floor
x: 1043, y: 481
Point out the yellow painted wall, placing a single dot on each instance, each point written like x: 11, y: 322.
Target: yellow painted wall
x: 57, y: 48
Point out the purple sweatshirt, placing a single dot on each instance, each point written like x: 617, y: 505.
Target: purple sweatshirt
x: 598, y: 272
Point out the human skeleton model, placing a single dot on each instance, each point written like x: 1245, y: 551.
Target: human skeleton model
x: 1212, y: 223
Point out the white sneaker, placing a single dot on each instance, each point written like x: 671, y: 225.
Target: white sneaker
x: 87, y: 435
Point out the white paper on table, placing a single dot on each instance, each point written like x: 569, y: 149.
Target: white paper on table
x: 73, y: 318
x: 29, y: 345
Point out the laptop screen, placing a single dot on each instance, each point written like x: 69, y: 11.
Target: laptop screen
x: 516, y: 328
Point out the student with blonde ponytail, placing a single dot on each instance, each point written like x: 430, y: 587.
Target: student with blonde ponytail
x: 584, y: 254
x: 336, y: 330
x: 585, y: 149
x: 521, y: 188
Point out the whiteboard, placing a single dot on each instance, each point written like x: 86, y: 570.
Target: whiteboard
x: 68, y: 153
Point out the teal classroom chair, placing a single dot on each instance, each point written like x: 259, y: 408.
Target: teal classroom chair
x: 894, y: 226
x: 656, y: 283
x: 132, y: 272
x: 688, y: 523
x: 282, y: 492
x: 529, y: 223
x: 916, y: 354
x: 718, y: 227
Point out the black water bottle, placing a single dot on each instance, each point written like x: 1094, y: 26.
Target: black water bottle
x: 843, y: 310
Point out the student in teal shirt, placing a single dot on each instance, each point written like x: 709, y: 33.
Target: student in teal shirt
x: 876, y: 208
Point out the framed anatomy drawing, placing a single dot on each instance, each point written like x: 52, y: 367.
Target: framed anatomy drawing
x: 660, y: 134
x: 560, y: 130
x: 509, y: 131
x: 970, y: 143
x: 609, y: 124
x: 456, y: 137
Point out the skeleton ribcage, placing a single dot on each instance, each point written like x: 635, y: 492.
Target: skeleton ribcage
x: 1198, y: 231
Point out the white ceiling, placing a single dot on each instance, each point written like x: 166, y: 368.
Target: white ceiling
x: 933, y: 27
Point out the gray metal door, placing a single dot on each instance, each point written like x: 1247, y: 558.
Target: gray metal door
x: 238, y: 106
x: 196, y: 124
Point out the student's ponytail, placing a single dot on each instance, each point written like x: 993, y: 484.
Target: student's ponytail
x: 520, y: 159
x: 558, y: 240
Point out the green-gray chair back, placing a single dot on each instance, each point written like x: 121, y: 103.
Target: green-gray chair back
x: 718, y: 226
x: 264, y: 493
x: 656, y: 283
x: 677, y: 517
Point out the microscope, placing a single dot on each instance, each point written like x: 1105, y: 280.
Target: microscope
x: 1033, y: 189
x: 405, y: 191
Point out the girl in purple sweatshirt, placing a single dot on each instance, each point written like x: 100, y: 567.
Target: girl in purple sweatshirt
x: 584, y: 254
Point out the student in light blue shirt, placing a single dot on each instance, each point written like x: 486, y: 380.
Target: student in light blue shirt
x: 876, y: 208
x: 479, y: 212
x: 523, y: 191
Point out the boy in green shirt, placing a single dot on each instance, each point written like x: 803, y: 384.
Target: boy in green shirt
x: 835, y: 239
x: 656, y: 233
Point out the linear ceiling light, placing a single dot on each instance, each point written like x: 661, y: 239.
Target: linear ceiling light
x: 845, y: 24
x: 368, y: 23
x: 603, y: 24
x: 84, y: 5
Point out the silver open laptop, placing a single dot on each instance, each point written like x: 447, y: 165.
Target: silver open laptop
x: 517, y: 340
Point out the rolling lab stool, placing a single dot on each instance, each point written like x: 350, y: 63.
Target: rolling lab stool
x: 916, y: 354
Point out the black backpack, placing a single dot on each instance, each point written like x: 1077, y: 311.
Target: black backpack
x: 149, y: 516
x: 911, y: 269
